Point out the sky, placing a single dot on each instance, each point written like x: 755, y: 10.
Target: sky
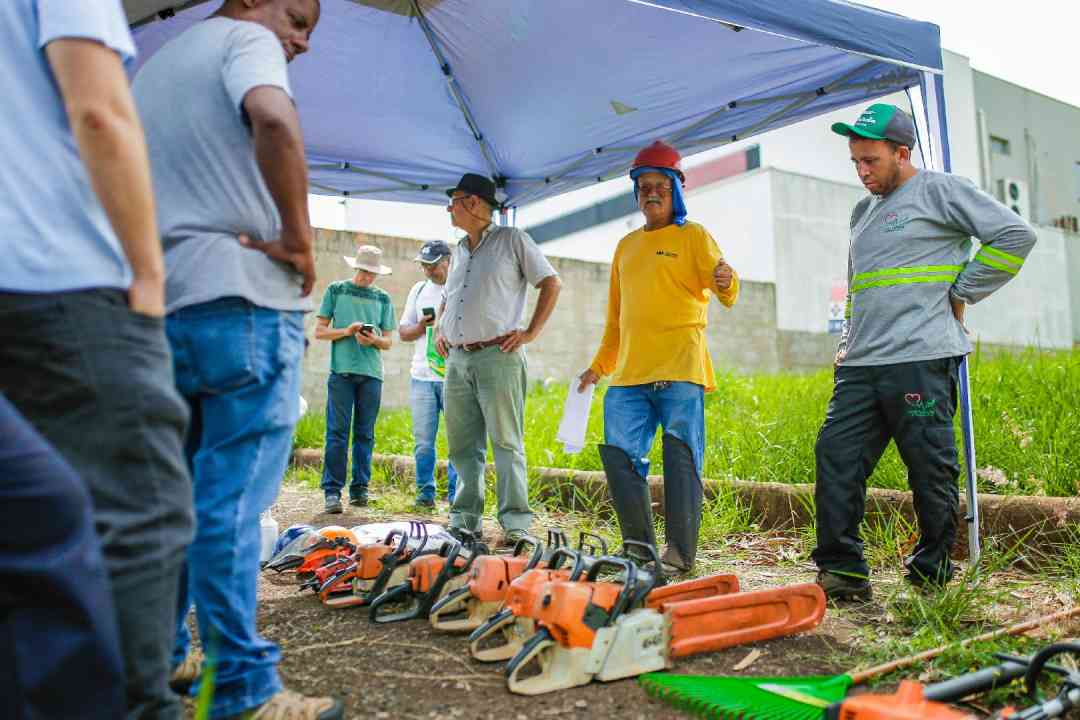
x: 1031, y: 43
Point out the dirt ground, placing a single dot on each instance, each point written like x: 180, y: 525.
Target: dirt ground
x: 408, y: 670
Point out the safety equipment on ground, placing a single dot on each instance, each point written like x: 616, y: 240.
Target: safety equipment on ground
x: 660, y: 155
x: 292, y: 549
x: 629, y: 495
x: 430, y: 578
x: 467, y: 608
x: 607, y: 630
x: 682, y: 504
x: 806, y: 698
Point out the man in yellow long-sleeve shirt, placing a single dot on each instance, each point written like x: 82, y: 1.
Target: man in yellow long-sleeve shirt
x: 654, y: 348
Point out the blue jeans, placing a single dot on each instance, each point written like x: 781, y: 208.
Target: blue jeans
x: 57, y: 624
x: 631, y: 414
x: 427, y: 404
x: 238, y: 367
x: 350, y: 400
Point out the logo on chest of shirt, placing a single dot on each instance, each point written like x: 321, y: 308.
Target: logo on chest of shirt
x: 894, y: 222
x: 667, y: 253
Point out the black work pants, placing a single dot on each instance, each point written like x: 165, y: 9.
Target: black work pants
x: 914, y: 405
x: 96, y: 380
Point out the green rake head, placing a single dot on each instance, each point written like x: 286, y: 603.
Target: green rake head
x: 749, y: 698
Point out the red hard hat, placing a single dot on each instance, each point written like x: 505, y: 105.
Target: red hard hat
x: 660, y: 155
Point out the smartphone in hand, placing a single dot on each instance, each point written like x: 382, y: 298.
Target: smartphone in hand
x: 367, y: 329
x: 429, y: 312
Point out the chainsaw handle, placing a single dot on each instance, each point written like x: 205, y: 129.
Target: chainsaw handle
x: 1035, y: 668
x: 594, y: 549
x: 537, y: 552
x: 626, y: 594
x: 557, y: 538
x: 555, y: 560
x: 389, y: 539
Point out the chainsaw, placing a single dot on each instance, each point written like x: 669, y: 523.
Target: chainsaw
x: 484, y: 594
x: 502, y: 635
x: 607, y: 630
x: 913, y: 701
x: 431, y: 577
x: 373, y: 567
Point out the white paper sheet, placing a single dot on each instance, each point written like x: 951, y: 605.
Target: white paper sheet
x: 575, y: 418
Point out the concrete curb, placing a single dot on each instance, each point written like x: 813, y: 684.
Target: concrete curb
x: 1042, y: 523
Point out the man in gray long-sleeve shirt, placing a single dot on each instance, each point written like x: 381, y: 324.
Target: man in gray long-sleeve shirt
x: 909, y: 281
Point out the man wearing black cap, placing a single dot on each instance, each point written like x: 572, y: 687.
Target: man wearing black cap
x: 428, y: 368
x: 481, y: 336
x: 909, y: 281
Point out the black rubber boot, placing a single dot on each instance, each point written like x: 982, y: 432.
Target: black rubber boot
x: 682, y: 504
x: 629, y: 494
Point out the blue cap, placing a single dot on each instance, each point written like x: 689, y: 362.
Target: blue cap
x: 432, y: 252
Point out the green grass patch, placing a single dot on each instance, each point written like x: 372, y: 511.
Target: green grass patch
x: 763, y: 427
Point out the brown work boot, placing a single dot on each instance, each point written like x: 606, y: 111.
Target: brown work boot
x: 289, y: 705
x: 186, y: 673
x: 844, y: 586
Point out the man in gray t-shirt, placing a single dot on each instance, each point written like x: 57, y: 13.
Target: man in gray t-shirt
x: 231, y: 186
x: 480, y: 335
x: 909, y: 281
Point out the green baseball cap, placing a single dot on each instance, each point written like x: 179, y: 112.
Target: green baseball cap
x: 881, y: 121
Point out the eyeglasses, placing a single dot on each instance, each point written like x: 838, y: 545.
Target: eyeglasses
x: 648, y: 189
x: 455, y: 199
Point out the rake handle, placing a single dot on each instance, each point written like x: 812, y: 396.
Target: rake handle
x: 858, y: 678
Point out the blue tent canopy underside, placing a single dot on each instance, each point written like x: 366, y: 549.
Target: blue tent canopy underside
x: 562, y: 93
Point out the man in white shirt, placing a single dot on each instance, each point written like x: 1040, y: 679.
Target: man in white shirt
x: 428, y: 368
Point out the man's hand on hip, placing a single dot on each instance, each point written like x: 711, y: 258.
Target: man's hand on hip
x: 840, y: 355
x: 147, y: 296
x: 514, y: 340
x: 302, y: 259
x: 442, y: 346
x: 722, y: 276
x: 958, y: 307
x: 587, y: 378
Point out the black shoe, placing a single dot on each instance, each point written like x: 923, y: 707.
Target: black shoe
x: 426, y: 504
x: 360, y: 500
x: 839, y: 586
x: 464, y: 536
x: 333, y: 505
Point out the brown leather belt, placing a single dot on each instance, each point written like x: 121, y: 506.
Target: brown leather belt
x: 473, y: 347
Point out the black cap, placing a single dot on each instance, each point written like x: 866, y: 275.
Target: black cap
x: 478, y: 185
x: 432, y: 252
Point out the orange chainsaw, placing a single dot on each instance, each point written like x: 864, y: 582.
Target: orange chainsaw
x: 605, y: 630
x: 313, y: 550
x: 503, y: 634
x: 431, y: 577
x: 466, y: 608
x: 373, y: 567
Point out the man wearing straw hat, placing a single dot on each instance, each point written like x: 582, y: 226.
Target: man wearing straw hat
x: 356, y: 317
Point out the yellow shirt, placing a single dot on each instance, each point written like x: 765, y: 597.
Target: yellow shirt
x: 658, y: 303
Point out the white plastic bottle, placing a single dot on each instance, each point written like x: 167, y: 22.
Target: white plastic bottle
x: 268, y: 535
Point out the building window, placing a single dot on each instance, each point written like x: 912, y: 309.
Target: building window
x: 1076, y: 179
x: 999, y: 146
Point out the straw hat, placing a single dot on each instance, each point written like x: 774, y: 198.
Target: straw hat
x: 367, y: 258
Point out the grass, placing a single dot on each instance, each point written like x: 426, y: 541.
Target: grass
x: 763, y: 427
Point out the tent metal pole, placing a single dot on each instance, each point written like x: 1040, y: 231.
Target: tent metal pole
x: 455, y: 90
x: 933, y: 88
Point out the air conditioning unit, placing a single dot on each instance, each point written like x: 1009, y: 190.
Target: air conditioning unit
x: 1014, y: 193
